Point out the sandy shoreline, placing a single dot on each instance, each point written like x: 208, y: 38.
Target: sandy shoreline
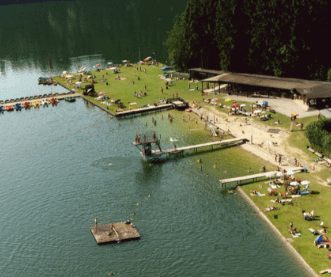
x: 264, y: 144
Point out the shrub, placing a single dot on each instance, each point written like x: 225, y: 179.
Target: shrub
x: 319, y: 136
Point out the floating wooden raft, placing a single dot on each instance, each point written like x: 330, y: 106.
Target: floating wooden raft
x: 114, y: 232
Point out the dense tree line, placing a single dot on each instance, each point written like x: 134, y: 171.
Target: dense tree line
x: 276, y: 37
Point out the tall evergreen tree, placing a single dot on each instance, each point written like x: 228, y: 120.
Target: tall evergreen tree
x: 278, y: 37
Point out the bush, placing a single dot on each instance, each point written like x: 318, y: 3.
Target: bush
x: 319, y: 136
x: 329, y: 75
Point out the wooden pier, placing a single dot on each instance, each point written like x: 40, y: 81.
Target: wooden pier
x: 209, y: 145
x: 149, y: 109
x: 114, y: 232
x: 150, y: 148
x: 58, y: 96
x: 241, y: 180
x: 251, y: 178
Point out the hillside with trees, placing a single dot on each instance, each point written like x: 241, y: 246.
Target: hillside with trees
x: 277, y: 37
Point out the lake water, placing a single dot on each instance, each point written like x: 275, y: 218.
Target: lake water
x: 63, y: 166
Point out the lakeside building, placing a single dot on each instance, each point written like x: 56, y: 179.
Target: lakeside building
x: 313, y: 94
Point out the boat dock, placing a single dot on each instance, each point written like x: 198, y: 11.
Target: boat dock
x: 114, y: 232
x: 237, y: 181
x: 209, y: 145
x: 145, y: 110
x: 58, y: 96
x: 241, y: 180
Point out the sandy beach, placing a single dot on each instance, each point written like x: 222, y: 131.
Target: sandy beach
x: 265, y: 142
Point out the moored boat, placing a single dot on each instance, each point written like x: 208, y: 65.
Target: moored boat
x: 44, y: 102
x: 9, y: 108
x: 27, y: 105
x: 18, y: 106
x: 53, y: 101
x: 70, y: 99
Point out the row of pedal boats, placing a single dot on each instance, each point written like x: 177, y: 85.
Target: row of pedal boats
x: 34, y: 104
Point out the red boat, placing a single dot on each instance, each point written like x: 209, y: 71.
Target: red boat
x: 27, y: 105
x: 9, y: 108
x: 53, y: 101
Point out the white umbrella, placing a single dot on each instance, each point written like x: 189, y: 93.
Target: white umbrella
x: 305, y: 183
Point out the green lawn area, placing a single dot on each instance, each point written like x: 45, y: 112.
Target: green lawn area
x: 319, y: 202
x: 133, y: 80
x: 299, y: 140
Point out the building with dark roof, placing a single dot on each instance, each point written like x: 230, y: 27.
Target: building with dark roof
x: 313, y: 93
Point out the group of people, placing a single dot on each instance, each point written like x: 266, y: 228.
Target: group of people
x: 139, y: 94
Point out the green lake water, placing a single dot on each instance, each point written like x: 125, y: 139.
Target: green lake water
x: 63, y: 166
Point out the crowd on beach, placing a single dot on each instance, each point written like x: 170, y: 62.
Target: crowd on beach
x: 287, y: 190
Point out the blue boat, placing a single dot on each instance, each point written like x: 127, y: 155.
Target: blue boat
x: 18, y: 107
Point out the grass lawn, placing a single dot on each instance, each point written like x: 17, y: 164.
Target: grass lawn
x: 133, y: 80
x: 318, y: 202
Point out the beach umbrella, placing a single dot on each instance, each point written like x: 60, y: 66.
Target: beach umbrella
x: 290, y: 172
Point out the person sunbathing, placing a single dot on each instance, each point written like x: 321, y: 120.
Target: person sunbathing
x: 293, y: 231
x: 272, y: 208
x: 322, y: 241
x: 308, y: 216
x: 326, y: 271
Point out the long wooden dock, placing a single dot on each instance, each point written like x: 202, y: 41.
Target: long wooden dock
x: 114, y: 232
x: 144, y: 110
x: 251, y: 178
x: 257, y: 177
x: 210, y: 145
x: 158, y: 154
x: 58, y: 96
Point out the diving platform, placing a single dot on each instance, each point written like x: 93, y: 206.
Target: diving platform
x: 114, y: 232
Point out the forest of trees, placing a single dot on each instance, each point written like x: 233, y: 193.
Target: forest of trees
x: 289, y: 38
